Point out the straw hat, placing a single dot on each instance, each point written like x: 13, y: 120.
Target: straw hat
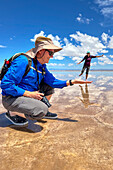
x: 42, y: 43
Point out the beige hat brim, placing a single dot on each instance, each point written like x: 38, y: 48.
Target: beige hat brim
x: 32, y: 52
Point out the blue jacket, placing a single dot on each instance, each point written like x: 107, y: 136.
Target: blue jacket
x: 15, y: 84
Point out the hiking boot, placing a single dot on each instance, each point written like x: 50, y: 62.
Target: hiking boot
x: 50, y: 115
x: 16, y: 120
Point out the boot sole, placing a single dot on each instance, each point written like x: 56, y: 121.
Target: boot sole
x: 50, y: 117
x: 17, y: 124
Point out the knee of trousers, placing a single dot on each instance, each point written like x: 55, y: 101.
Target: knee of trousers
x: 37, y: 113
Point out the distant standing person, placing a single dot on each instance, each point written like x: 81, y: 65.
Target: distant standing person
x: 87, y: 62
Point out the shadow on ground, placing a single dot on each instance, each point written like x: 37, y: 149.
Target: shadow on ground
x: 31, y: 128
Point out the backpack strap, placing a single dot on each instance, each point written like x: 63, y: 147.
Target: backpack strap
x: 28, y: 67
x: 29, y: 61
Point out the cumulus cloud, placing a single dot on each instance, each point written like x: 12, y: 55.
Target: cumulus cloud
x: 93, y: 64
x: 104, y: 80
x: 110, y: 45
x: 58, y: 57
x: 61, y: 64
x: 108, y: 41
x: 2, y: 46
x: 104, y: 51
x: 91, y: 76
x: 70, y: 64
x: 82, y: 19
x: 55, y: 64
x: 37, y: 35
x: 87, y: 42
x: 105, y: 37
x: 55, y: 39
x: 79, y: 44
x: 76, y: 45
x: 111, y: 56
x: 52, y: 64
x: 105, y: 60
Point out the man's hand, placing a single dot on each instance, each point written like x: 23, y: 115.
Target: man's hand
x: 77, y: 81
x: 36, y: 95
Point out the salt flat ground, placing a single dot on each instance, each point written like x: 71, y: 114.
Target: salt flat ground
x: 80, y: 139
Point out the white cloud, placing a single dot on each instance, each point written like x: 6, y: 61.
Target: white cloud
x: 104, y: 37
x: 104, y: 60
x: 37, y: 35
x: 107, y: 11
x: 55, y: 64
x: 106, y: 7
x: 93, y: 64
x: 78, y: 19
x: 111, y: 56
x: 103, y: 51
x: 104, y: 2
x: 91, y: 76
x: 103, y: 80
x: 58, y: 57
x: 110, y: 45
x: 2, y: 46
x: 82, y: 19
x: 76, y: 46
x: 56, y: 39
x: 52, y: 64
x: 87, y: 42
x: 70, y: 75
x: 61, y: 64
x: 11, y: 38
x: 70, y: 64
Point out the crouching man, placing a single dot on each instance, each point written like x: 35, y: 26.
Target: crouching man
x: 22, y: 95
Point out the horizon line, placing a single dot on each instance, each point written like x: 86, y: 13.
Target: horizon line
x: 79, y: 70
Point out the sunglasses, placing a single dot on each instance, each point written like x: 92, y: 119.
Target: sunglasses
x: 51, y: 53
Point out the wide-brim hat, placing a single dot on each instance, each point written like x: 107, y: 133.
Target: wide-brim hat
x: 42, y: 43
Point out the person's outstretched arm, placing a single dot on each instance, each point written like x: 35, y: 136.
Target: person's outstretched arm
x: 77, y: 81
x: 56, y: 83
x: 81, y: 60
x: 99, y: 56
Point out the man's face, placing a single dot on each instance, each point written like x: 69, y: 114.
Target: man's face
x: 46, y: 55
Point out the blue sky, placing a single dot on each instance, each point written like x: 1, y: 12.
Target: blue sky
x: 76, y: 25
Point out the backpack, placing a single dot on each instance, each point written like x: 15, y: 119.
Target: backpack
x: 7, y: 64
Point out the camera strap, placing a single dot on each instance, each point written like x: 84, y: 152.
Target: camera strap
x: 43, y: 71
x: 44, y: 99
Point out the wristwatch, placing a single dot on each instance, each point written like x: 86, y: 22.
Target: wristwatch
x: 70, y: 83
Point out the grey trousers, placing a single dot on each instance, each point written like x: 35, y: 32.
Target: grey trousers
x: 32, y: 108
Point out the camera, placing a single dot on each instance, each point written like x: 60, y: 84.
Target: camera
x: 46, y: 101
